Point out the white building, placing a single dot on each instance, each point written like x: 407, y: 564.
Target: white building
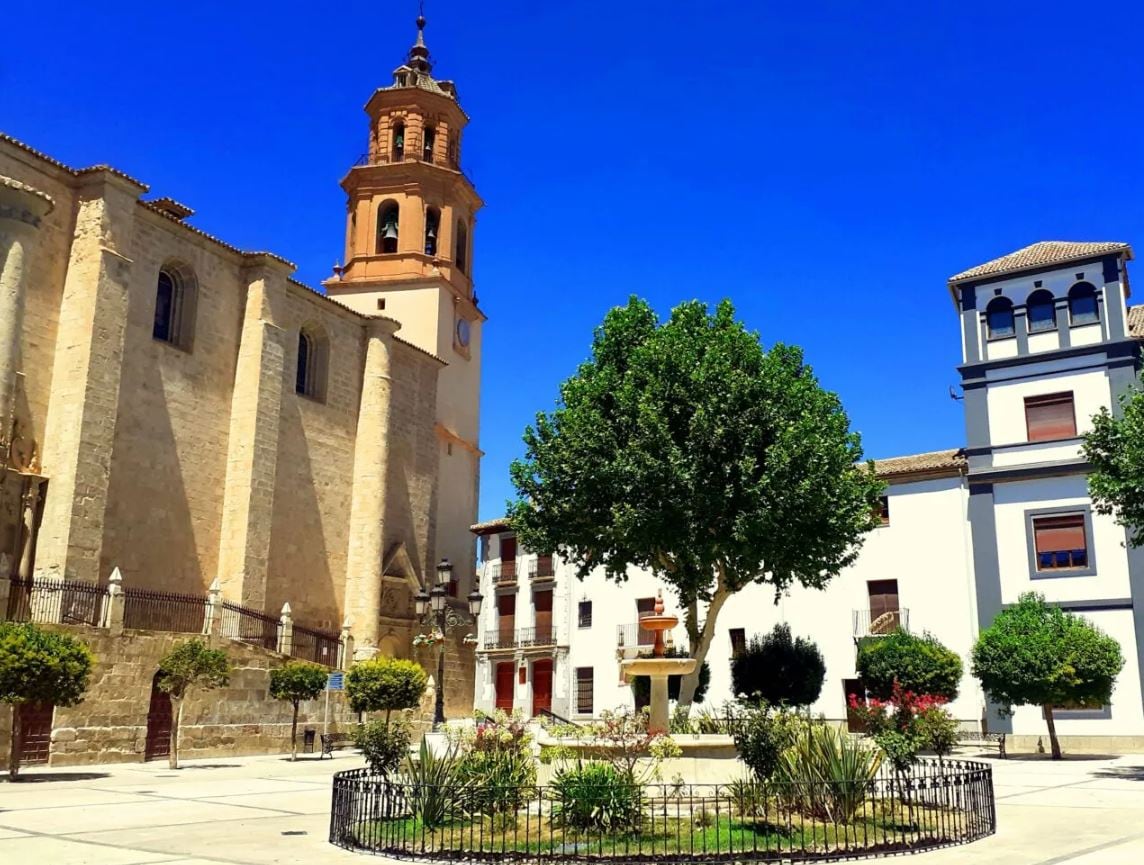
x: 1047, y: 340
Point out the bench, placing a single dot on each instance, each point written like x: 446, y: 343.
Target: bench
x: 975, y: 737
x: 333, y: 741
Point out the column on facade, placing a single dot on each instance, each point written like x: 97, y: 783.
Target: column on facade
x: 367, y: 504
x: 22, y: 208
x: 84, y: 406
x: 252, y: 445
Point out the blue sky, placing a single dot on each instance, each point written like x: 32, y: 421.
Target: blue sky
x: 827, y: 166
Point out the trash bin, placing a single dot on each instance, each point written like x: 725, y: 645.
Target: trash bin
x: 308, y: 741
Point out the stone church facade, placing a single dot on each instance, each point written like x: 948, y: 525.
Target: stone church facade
x: 185, y: 410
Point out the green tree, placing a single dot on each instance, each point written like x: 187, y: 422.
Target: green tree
x: 385, y: 685
x: 920, y: 664
x: 779, y: 669
x: 688, y: 449
x: 1038, y: 655
x: 1115, y: 448
x: 39, y: 666
x: 187, y: 667
x: 297, y: 681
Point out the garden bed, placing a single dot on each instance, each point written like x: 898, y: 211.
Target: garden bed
x: 930, y: 805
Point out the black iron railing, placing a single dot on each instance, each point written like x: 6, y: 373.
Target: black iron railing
x: 504, y: 572
x: 499, y: 638
x: 541, y: 569
x: 320, y: 647
x: 929, y: 806
x: 878, y: 623
x: 249, y: 626
x: 541, y: 635
x: 68, y: 602
x: 163, y: 611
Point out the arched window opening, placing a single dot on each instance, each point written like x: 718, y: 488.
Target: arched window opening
x: 1083, y: 308
x: 451, y: 150
x: 999, y: 318
x: 1041, y: 311
x: 461, y: 253
x: 398, y: 141
x: 174, y: 306
x: 313, y: 358
x: 387, y: 227
x: 428, y: 144
x: 432, y: 229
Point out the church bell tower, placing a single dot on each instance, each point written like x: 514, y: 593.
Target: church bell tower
x: 409, y: 234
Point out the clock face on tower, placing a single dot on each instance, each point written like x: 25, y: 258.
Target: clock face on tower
x: 463, y: 332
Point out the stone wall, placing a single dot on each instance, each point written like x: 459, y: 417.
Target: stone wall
x: 110, y: 725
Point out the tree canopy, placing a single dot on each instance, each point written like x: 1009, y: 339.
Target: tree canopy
x: 1038, y: 654
x: 779, y: 669
x: 385, y: 685
x: 688, y: 449
x: 1115, y: 448
x: 920, y: 664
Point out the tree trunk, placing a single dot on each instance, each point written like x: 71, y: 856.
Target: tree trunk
x: 1053, y: 741
x: 176, y: 722
x: 699, y: 649
x: 14, y: 753
x: 294, y: 734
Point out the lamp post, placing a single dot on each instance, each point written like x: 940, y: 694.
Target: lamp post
x: 436, y: 603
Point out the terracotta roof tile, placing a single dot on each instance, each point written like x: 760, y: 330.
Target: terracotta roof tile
x: 951, y: 461
x: 1040, y: 254
x: 1136, y: 321
x: 489, y: 526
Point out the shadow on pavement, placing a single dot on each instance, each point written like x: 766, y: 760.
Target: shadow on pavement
x: 24, y: 778
x: 1123, y: 773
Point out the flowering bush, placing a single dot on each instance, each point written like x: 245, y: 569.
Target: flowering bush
x: 619, y: 738
x: 495, y: 762
x: 906, y: 724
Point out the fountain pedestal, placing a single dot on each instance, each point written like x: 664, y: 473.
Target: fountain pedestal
x: 657, y: 667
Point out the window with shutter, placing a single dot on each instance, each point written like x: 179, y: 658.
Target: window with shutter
x: 1060, y: 542
x: 1050, y: 417
x: 584, y: 683
x: 738, y: 641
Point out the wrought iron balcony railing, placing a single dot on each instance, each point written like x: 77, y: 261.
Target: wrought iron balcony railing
x: 879, y: 623
x: 504, y: 572
x: 524, y: 638
x: 541, y: 569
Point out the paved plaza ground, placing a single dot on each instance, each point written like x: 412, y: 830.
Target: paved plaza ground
x: 259, y: 810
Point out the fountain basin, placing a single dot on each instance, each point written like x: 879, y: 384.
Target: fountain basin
x: 658, y: 666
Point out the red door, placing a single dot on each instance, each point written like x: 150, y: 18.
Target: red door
x: 505, y: 685
x: 158, y: 723
x: 35, y: 732
x: 541, y: 686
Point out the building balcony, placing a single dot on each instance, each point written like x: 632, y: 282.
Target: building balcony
x: 504, y: 573
x: 541, y: 636
x: 879, y: 623
x: 541, y: 569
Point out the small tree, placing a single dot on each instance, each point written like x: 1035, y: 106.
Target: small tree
x: 918, y: 664
x: 778, y: 669
x: 1115, y: 448
x: 385, y: 685
x: 39, y: 666
x: 297, y: 681
x: 1037, y: 654
x: 190, y: 666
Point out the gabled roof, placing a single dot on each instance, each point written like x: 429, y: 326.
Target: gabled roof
x: 1040, y: 254
x: 950, y: 461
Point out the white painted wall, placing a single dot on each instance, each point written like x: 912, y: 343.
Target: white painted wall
x: 1006, y: 399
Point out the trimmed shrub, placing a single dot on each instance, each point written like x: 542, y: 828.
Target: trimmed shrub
x: 764, y: 736
x: 384, y: 745
x: 778, y: 669
x: 595, y: 796
x: 919, y: 664
x: 385, y: 685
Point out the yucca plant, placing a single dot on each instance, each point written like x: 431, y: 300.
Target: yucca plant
x: 827, y: 774
x: 433, y: 786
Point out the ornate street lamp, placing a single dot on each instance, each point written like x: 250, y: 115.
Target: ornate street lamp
x: 432, y: 607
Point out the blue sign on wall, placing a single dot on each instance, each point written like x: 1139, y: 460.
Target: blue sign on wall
x: 336, y: 682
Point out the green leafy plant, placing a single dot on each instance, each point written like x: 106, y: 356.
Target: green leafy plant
x: 594, y: 796
x: 39, y: 666
x: 937, y: 731
x: 190, y: 666
x: 296, y: 681
x: 385, y: 685
x: 1115, y: 448
x: 495, y: 762
x: 764, y: 735
x: 779, y: 669
x: 919, y: 664
x: 672, y: 428
x: 1037, y: 654
x: 384, y: 744
x: 433, y: 787
x: 826, y: 774
x: 749, y: 796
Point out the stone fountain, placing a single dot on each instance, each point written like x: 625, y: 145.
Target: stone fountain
x: 657, y: 667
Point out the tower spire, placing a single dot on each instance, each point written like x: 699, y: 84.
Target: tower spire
x: 419, y: 53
